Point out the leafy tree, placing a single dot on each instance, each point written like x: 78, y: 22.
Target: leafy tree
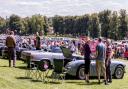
x: 37, y: 23
x: 2, y: 24
x: 114, y: 33
x: 58, y: 24
x: 104, y: 18
x: 15, y: 23
x: 95, y: 30
x: 122, y: 24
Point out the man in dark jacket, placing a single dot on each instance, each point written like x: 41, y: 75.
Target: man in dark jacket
x: 11, y: 44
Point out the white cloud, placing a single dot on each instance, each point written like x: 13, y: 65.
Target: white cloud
x: 60, y: 7
x: 28, y: 3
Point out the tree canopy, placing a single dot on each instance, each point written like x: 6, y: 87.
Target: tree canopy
x: 107, y: 23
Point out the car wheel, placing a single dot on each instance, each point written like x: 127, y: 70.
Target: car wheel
x: 81, y: 73
x: 119, y: 72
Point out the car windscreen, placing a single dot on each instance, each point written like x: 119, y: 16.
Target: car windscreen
x: 56, y: 49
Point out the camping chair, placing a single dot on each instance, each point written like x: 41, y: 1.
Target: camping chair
x: 67, y: 54
x: 42, y: 70
x: 30, y: 68
x: 59, y: 71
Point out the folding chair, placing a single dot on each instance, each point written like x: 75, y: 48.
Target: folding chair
x: 67, y: 54
x: 42, y: 70
x: 59, y: 71
x: 30, y: 68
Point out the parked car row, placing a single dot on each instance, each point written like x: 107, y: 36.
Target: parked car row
x: 55, y: 52
x: 75, y: 63
x: 19, y: 49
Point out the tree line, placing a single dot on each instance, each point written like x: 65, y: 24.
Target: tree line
x: 23, y: 26
x: 107, y: 23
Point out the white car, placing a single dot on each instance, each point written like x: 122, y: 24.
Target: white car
x: 54, y: 53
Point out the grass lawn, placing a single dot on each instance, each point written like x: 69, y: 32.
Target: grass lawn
x: 11, y: 78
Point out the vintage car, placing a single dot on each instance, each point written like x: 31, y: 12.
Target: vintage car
x: 54, y: 52
x: 2, y: 45
x: 76, y: 68
x: 19, y: 49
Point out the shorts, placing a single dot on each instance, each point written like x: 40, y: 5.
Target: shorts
x: 87, y: 66
x: 100, y: 65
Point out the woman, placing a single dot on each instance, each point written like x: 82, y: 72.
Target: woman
x: 87, y: 53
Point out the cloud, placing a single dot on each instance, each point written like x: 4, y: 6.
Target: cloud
x: 59, y: 7
x: 29, y: 3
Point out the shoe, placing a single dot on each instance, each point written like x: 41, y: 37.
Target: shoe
x: 98, y: 81
x: 87, y: 81
x: 110, y: 81
x: 14, y: 66
x: 106, y: 83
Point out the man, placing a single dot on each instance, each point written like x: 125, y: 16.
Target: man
x: 87, y: 52
x: 108, y: 60
x: 100, y: 60
x: 11, y: 44
x: 38, y: 44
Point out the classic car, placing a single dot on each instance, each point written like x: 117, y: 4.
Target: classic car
x: 2, y: 45
x: 55, y: 52
x: 19, y: 49
x: 76, y: 68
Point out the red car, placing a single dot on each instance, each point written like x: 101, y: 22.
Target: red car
x: 126, y: 54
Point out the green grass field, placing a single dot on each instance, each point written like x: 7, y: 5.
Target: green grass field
x: 13, y: 78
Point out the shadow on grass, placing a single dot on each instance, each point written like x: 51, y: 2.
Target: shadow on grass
x: 36, y: 80
x: 21, y: 67
x: 23, y: 78
x: 91, y: 83
x: 67, y: 77
x: 74, y: 82
x: 4, y: 66
x: 60, y: 82
x: 51, y: 82
x: 32, y: 80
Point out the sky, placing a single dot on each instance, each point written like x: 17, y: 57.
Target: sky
x: 50, y: 8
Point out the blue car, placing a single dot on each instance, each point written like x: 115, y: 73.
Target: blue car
x: 76, y: 68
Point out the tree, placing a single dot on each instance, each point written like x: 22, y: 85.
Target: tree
x: 2, y: 24
x: 122, y: 24
x: 114, y: 33
x: 94, y: 27
x: 25, y: 26
x: 58, y: 24
x: 37, y: 23
x: 104, y: 18
x: 15, y: 23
